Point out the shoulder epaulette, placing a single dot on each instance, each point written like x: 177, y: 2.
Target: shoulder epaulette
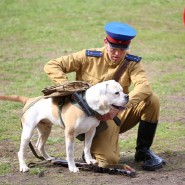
x: 93, y: 53
x: 133, y: 58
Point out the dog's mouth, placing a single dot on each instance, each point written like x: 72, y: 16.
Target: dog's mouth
x: 118, y: 107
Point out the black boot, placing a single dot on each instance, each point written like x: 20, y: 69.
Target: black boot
x: 151, y: 161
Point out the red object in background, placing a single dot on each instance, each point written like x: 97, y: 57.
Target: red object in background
x: 184, y: 17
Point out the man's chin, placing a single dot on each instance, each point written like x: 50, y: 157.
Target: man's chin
x: 116, y: 61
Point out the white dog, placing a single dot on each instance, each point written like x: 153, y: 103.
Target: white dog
x: 43, y: 113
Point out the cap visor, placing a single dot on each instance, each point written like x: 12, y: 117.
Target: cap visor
x: 118, y: 46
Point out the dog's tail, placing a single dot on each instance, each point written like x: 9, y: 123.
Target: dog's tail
x: 15, y: 98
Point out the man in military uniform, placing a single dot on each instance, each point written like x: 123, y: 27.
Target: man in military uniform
x: 100, y: 64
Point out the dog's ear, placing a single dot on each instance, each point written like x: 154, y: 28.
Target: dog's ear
x: 102, y: 106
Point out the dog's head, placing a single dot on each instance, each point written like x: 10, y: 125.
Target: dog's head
x: 102, y: 96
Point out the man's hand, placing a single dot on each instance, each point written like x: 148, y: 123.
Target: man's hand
x: 110, y: 115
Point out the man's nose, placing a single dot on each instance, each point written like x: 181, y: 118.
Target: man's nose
x: 116, y: 52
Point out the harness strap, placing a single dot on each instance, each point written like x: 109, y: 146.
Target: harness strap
x: 60, y: 105
x: 81, y: 100
x: 121, y: 70
x: 121, y: 169
x: 34, y: 152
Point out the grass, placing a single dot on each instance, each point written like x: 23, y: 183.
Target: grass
x: 33, y: 32
x: 36, y: 171
x: 170, y: 84
x: 4, y: 168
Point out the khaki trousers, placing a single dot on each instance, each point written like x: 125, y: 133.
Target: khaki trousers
x: 105, y: 147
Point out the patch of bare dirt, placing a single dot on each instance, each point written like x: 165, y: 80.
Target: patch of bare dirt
x: 48, y: 173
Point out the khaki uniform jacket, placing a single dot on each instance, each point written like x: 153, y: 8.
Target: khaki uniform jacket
x: 98, y: 69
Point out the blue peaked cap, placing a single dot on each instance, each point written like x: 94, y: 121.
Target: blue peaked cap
x: 120, y: 31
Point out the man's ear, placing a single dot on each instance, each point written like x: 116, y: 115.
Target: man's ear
x: 105, y: 41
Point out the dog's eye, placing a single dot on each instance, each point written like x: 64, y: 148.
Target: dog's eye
x: 117, y: 93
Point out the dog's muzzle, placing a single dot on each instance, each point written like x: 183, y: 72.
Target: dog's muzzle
x: 118, y: 107
x: 122, y: 107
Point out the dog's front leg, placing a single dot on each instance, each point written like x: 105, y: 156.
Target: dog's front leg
x: 88, y: 142
x: 70, y: 143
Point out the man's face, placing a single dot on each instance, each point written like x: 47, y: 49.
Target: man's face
x: 116, y: 55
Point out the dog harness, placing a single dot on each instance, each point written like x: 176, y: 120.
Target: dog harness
x: 79, y: 100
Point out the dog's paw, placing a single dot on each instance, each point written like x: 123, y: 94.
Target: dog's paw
x: 24, y: 168
x: 73, y: 169
x: 91, y: 161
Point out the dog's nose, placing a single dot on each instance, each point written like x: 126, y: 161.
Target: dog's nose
x: 126, y: 96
